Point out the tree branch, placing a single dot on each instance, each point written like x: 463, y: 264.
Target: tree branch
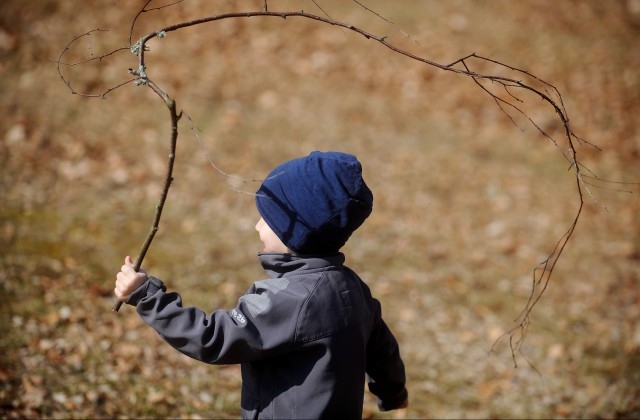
x: 510, y: 101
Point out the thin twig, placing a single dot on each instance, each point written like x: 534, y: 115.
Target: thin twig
x: 226, y: 175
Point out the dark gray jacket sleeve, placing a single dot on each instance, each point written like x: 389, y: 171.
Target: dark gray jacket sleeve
x: 385, y: 370
x: 221, y: 337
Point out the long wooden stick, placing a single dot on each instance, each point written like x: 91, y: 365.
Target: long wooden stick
x: 171, y: 105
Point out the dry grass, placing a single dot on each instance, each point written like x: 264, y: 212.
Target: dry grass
x: 466, y: 205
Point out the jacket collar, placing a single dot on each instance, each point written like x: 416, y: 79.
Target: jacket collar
x: 279, y: 265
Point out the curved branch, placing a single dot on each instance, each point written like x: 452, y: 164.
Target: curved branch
x: 60, y: 63
x: 548, y: 93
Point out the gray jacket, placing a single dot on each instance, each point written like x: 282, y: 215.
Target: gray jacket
x: 305, y: 337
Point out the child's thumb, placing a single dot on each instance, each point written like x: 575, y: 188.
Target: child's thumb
x: 127, y: 260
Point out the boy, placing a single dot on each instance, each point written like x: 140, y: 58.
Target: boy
x: 307, y: 336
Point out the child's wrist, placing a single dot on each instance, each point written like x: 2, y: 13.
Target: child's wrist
x: 149, y: 288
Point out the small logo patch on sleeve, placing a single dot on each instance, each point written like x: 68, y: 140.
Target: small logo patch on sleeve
x: 238, y: 316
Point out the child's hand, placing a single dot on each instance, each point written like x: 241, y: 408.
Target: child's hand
x: 128, y: 280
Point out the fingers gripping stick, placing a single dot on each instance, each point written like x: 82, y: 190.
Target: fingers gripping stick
x: 118, y: 303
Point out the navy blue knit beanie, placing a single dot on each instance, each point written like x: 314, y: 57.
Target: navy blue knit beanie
x: 313, y: 204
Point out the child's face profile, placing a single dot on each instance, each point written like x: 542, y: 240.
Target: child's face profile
x: 271, y: 241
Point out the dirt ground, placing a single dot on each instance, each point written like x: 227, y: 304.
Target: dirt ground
x: 468, y: 200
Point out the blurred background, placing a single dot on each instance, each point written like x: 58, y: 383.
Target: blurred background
x: 467, y: 203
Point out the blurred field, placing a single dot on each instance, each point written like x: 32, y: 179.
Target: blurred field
x: 466, y: 203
